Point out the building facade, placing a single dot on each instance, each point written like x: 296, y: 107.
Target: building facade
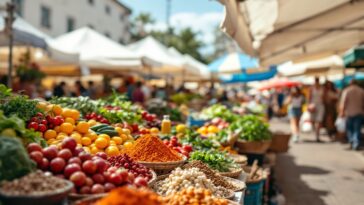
x: 56, y: 17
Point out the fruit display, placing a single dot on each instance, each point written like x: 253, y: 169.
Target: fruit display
x: 89, y: 174
x: 176, y: 145
x: 104, y: 129
x: 96, y: 117
x: 215, y: 159
x: 192, y: 196
x: 124, y: 161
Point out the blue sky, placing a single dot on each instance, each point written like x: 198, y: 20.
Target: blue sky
x: 201, y: 15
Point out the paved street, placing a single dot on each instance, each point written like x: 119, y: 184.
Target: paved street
x: 320, y: 173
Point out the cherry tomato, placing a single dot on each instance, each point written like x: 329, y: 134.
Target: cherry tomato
x: 33, y: 125
x: 42, y: 128
x: 44, y: 122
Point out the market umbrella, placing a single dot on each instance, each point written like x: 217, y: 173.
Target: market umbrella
x: 278, y: 83
x: 354, y: 58
x: 340, y: 83
x: 250, y: 75
x: 233, y: 63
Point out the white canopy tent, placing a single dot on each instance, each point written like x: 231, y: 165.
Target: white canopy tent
x: 279, y: 30
x: 87, y: 48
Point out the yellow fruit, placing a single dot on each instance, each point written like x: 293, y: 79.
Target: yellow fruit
x: 91, y: 135
x: 154, y: 131
x: 56, y: 142
x: 128, y: 144
x: 69, y: 120
x: 95, y: 150
x: 126, y: 131
x: 92, y: 122
x: 82, y: 127
x: 117, y: 140
x: 61, y: 137
x: 57, y: 129
x: 50, y: 134
x: 88, y: 150
x: 57, y: 109
x: 120, y: 147
x: 124, y: 137
x: 8, y: 132
x: 66, y: 112
x: 77, y: 137
x: 130, y: 138
x: 66, y: 127
x: 85, y: 141
x: 181, y: 128
x: 101, y: 142
x: 42, y: 105
x: 112, y: 151
x: 79, y: 146
x: 50, y: 141
x: 119, y: 130
x: 107, y: 137
x: 212, y: 129
x: 75, y: 114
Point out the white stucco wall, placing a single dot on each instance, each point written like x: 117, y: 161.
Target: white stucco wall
x: 82, y: 12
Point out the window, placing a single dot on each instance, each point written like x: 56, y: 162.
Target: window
x: 91, y: 26
x: 122, y: 17
x: 19, y: 7
x: 107, y: 34
x: 45, y: 20
x: 70, y: 24
x: 121, y: 40
x: 91, y: 2
x: 107, y: 9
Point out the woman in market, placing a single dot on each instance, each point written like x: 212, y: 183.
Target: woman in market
x: 330, y: 101
x: 295, y: 102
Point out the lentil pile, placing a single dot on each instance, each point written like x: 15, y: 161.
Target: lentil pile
x: 151, y: 149
x: 35, y: 183
x: 216, y: 178
x: 181, y: 179
x: 192, y: 196
x: 130, y: 196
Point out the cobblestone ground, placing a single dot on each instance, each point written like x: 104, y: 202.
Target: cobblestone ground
x: 320, y: 173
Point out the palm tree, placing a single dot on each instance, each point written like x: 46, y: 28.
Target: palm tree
x: 142, y: 20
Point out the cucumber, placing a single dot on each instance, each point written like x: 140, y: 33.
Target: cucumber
x: 98, y: 127
x: 106, y: 129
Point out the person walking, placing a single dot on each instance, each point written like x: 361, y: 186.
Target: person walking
x: 59, y: 90
x: 316, y: 107
x: 352, y: 107
x: 138, y: 95
x: 330, y: 101
x: 295, y: 102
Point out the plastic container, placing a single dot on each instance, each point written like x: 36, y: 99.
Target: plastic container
x: 195, y: 122
x: 166, y: 126
x: 254, y: 193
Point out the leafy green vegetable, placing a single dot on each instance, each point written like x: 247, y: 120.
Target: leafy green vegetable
x: 214, y: 159
x: 199, y: 143
x: 251, y: 128
x: 14, y: 160
x: 221, y: 111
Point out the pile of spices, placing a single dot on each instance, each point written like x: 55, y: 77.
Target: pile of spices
x: 181, y: 179
x: 192, y: 196
x: 216, y: 178
x: 131, y: 196
x: 34, y: 184
x: 150, y: 148
x: 124, y: 161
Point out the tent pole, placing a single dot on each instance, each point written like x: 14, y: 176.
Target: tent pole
x: 9, y: 19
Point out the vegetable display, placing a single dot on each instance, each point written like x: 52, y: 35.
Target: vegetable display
x: 215, y: 159
x: 192, y: 196
x: 220, y: 111
x: 251, y: 128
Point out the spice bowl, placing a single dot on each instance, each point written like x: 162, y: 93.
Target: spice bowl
x: 57, y: 197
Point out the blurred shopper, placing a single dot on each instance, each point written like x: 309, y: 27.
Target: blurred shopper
x: 91, y: 90
x: 352, y: 107
x: 295, y: 102
x: 138, y: 95
x: 316, y: 107
x: 80, y: 89
x: 330, y: 101
x: 147, y: 92
x: 129, y: 89
x: 59, y: 90
x: 161, y: 93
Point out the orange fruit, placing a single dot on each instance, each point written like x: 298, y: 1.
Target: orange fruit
x: 92, y: 122
x: 128, y: 144
x: 119, y: 130
x: 77, y: 137
x: 70, y: 120
x: 66, y: 127
x: 75, y: 114
x: 91, y: 135
x: 212, y: 129
x: 42, y: 105
x: 124, y: 137
x: 66, y: 112
x: 85, y: 141
x: 61, y: 137
x: 82, y: 127
x: 112, y: 151
x: 57, y: 129
x: 107, y: 137
x: 126, y: 131
x: 101, y: 142
x: 112, y: 143
x: 117, y: 140
x: 95, y: 150
x: 50, y: 134
x: 154, y: 131
x: 57, y: 109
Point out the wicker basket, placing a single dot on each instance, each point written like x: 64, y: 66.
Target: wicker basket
x: 163, y: 167
x: 240, y: 159
x: 234, y: 173
x: 254, y: 147
x: 231, y: 141
x: 280, y: 142
x: 240, y: 185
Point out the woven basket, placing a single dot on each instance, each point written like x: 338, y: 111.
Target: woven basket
x: 235, y: 173
x: 254, y: 147
x: 239, y: 159
x: 280, y: 142
x: 230, y: 195
x: 153, y: 179
x: 163, y: 167
x: 231, y: 141
x: 240, y: 185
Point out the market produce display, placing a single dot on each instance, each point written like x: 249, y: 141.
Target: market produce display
x: 149, y: 148
x: 181, y: 179
x: 215, y: 159
x: 192, y: 196
x: 176, y: 145
x: 251, y: 128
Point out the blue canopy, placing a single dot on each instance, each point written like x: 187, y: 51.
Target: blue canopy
x: 342, y: 83
x: 249, y: 77
x: 233, y: 63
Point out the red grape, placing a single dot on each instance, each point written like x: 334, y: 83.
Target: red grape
x: 78, y: 178
x: 57, y: 165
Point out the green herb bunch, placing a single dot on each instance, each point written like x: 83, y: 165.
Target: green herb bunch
x: 251, y: 128
x: 214, y: 159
